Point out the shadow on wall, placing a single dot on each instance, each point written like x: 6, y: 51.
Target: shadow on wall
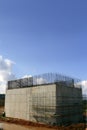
x: 2, y: 100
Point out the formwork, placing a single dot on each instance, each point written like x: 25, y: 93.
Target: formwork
x: 49, y: 98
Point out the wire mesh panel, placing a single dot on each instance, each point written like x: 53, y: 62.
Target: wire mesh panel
x: 47, y: 78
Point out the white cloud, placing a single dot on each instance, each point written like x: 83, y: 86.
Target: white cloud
x: 84, y: 87
x: 27, y: 76
x: 36, y: 80
x: 40, y: 81
x: 5, y: 73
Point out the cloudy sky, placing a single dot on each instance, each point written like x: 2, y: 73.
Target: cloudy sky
x: 5, y: 73
x: 38, y: 36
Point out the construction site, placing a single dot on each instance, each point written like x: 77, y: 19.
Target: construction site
x: 50, y: 98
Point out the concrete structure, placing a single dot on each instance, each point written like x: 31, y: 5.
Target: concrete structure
x: 54, y: 103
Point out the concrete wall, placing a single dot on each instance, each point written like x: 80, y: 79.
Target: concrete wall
x: 35, y: 103
x: 50, y: 104
x: 69, y: 104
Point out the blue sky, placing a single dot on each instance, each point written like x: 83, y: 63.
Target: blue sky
x: 45, y: 36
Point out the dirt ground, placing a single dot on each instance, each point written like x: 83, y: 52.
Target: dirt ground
x: 7, y: 126
x: 1, y: 109
x: 18, y: 124
x: 26, y: 125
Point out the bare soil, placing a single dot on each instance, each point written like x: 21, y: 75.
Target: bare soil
x: 7, y: 126
x: 19, y: 124
x: 38, y: 126
x: 1, y: 109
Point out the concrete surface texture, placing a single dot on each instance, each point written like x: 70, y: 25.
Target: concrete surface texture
x: 50, y: 104
x: 69, y: 104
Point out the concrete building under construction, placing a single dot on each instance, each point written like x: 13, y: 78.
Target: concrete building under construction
x: 49, y: 98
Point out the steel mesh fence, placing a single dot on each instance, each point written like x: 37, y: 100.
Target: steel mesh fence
x: 46, y: 78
